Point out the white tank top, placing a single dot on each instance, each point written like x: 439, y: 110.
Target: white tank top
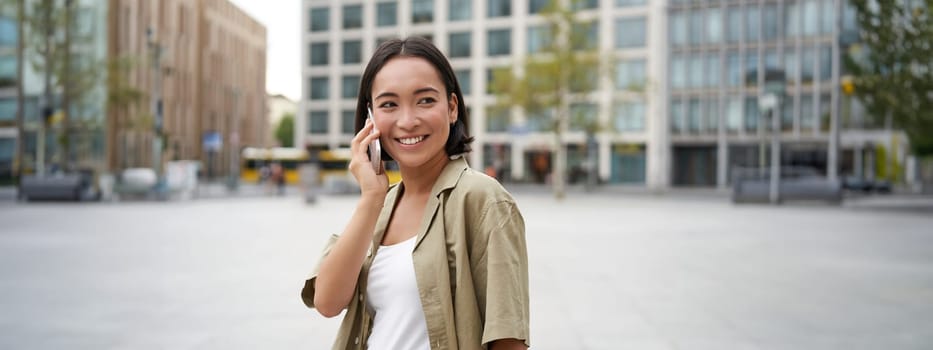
x: 392, y: 296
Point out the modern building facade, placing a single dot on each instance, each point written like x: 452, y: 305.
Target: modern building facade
x: 200, y: 65
x: 700, y: 64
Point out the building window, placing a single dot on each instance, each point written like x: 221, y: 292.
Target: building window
x: 811, y: 20
x: 791, y: 20
x: 712, y: 115
x: 349, y: 86
x: 630, y: 74
x: 678, y: 77
x: 826, y: 63
x: 734, y: 24
x: 539, y: 37
x: 460, y: 44
x: 806, y: 112
x: 320, y: 88
x: 320, y: 19
x: 787, y: 114
x: 499, y: 42
x: 8, y: 33
x: 497, y: 119
x: 678, y: 29
x: 463, y: 77
x: 347, y: 120
x: 319, y: 53
x: 582, y: 115
x: 696, y: 71
x: 712, y: 69
x: 626, y: 3
x: 807, y: 63
x: 751, y: 68
x: 460, y: 10
x: 317, y: 122
x: 827, y: 16
x: 790, y: 66
x: 630, y: 32
x: 491, y: 76
x: 677, y: 117
x: 769, y: 18
x: 734, y: 114
x: 696, y: 28
x: 751, y: 113
x: 352, y: 51
x: 585, y: 35
x: 386, y: 14
x: 713, y: 26
x: 537, y: 6
x: 733, y: 69
x: 693, y: 115
x: 752, y: 19
x: 352, y: 16
x: 7, y: 70
x: 422, y: 11
x: 584, y: 4
x: 629, y: 116
x: 498, y: 8
x: 8, y: 109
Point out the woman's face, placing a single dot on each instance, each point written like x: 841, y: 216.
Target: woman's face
x: 413, y: 111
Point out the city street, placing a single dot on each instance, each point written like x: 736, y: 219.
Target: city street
x: 623, y: 271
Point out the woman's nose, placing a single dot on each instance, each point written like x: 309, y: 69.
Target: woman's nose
x: 407, y: 119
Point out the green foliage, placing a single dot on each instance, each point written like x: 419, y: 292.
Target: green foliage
x: 892, y: 66
x: 285, y: 131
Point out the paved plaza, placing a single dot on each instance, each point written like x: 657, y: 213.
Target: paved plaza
x: 620, y: 271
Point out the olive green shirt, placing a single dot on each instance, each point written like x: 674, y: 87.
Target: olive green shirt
x: 481, y: 293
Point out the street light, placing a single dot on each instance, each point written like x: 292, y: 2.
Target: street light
x: 770, y: 104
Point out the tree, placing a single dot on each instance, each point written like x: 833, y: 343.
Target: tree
x: 892, y: 66
x: 284, y: 132
x: 565, y: 69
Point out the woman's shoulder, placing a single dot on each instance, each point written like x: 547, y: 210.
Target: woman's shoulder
x: 477, y: 186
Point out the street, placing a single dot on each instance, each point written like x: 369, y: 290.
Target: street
x: 607, y: 272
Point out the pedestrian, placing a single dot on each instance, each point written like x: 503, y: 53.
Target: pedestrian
x: 437, y: 261
x: 278, y: 177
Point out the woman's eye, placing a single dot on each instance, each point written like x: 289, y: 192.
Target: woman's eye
x: 387, y: 105
x: 426, y: 100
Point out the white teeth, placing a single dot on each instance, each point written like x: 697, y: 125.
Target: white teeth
x: 411, y: 140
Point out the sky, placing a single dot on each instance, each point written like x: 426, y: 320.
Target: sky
x: 283, y: 41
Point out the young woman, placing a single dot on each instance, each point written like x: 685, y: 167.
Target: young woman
x: 439, y: 260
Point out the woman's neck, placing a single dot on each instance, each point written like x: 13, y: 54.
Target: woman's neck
x: 420, y: 180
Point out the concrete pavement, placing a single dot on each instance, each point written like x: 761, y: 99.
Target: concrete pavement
x: 607, y: 272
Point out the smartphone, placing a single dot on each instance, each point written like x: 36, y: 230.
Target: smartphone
x: 375, y: 148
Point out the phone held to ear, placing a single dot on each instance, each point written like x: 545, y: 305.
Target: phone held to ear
x: 375, y: 148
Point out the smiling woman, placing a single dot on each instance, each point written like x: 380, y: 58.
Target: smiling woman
x: 437, y: 261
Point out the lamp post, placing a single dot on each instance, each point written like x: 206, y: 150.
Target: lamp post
x: 770, y: 103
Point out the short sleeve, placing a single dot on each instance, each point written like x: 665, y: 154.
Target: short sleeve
x: 307, y: 293
x: 506, y: 284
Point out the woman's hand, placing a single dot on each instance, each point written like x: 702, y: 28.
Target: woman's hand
x: 371, y: 184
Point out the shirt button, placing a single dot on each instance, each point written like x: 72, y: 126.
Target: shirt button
x: 356, y: 341
x: 361, y: 297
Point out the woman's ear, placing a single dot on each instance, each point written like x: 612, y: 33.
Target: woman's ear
x: 452, y: 110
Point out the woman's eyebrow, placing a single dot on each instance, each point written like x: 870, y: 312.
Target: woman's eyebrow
x: 385, y: 94
x: 426, y: 89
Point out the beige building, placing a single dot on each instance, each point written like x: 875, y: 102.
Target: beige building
x: 200, y: 66
x: 279, y: 106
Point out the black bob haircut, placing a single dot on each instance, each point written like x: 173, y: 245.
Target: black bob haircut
x: 459, y: 140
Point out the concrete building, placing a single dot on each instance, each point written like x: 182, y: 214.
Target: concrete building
x: 279, y: 106
x: 696, y: 119
x: 201, y: 68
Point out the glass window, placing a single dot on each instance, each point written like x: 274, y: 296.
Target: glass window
x: 540, y: 121
x: 586, y: 80
x: 386, y: 14
x: 463, y: 78
x: 319, y: 54
x: 630, y: 74
x: 696, y: 71
x: 320, y: 19
x: 791, y: 20
x: 497, y: 119
x: 539, y: 37
x: 806, y: 112
x: 352, y: 51
x: 491, y: 74
x: 826, y: 62
x: 582, y: 114
x: 352, y: 16
x: 586, y: 35
x: 734, y: 114
x: 422, y: 11
x: 8, y: 31
x: 770, y: 22
x: 751, y: 68
x: 350, y: 86
x: 317, y: 122
x: 584, y: 4
x: 498, y: 8
x: 624, y: 3
x: 536, y: 6
x: 678, y: 29
x: 460, y: 44
x: 7, y: 109
x: 712, y: 115
x: 790, y: 66
x: 787, y: 114
x: 752, y: 19
x: 849, y: 21
x: 347, y: 119
x: 678, y: 72
x: 733, y: 68
x: 824, y: 112
x: 693, y: 115
x: 696, y: 28
x: 630, y: 32
x: 712, y: 69
x: 460, y: 10
x: 499, y: 42
x: 678, y: 122
x: 807, y: 62
x: 7, y: 70
x: 811, y: 21
x: 713, y: 25
x: 771, y: 60
x: 320, y: 88
x: 734, y: 24
x: 629, y: 116
x: 751, y: 113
